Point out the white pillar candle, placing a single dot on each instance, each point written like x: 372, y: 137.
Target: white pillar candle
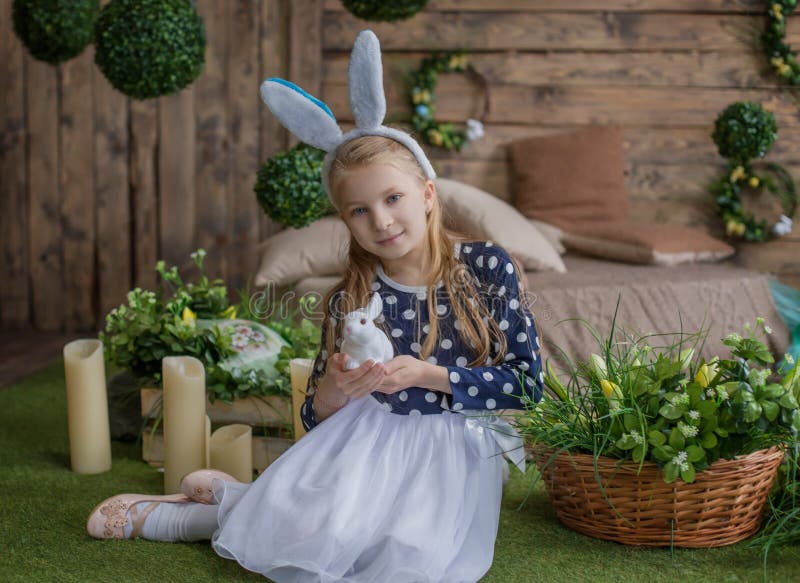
x: 300, y: 371
x: 184, y: 419
x: 232, y: 451
x: 87, y: 407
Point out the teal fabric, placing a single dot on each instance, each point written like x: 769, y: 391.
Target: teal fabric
x: 787, y: 302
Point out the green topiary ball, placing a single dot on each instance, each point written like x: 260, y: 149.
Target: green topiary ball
x: 289, y: 187
x: 55, y: 30
x: 149, y: 48
x: 744, y: 131
x: 388, y: 11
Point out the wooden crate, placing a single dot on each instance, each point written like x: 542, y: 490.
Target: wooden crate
x: 272, y: 411
x: 265, y: 449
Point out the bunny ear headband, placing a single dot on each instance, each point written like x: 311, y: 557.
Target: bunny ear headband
x: 313, y: 122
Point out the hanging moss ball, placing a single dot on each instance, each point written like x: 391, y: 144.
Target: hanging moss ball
x: 744, y: 131
x: 289, y: 187
x: 387, y: 11
x: 149, y: 48
x: 55, y: 31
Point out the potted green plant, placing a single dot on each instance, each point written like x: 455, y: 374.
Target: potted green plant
x: 650, y: 446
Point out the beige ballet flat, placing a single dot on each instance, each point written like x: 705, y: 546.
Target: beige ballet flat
x: 110, y: 517
x: 197, y: 485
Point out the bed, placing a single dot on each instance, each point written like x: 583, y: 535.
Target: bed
x: 720, y: 297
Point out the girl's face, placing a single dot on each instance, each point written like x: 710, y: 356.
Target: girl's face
x: 385, y: 209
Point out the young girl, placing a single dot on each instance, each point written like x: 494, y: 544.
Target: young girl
x: 399, y: 477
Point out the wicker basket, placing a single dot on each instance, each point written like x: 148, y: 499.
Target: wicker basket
x: 724, y: 505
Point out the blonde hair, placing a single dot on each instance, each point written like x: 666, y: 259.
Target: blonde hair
x: 476, y: 325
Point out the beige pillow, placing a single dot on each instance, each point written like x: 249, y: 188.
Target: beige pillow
x: 483, y: 215
x: 293, y: 254
x: 553, y: 234
x: 640, y: 242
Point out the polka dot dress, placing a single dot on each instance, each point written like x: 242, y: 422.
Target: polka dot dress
x: 405, y: 315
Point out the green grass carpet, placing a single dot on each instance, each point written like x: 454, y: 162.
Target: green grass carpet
x: 44, y: 506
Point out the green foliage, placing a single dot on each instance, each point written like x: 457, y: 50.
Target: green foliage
x: 743, y: 131
x: 781, y: 56
x: 139, y: 334
x: 289, y: 187
x: 149, y: 48
x: 55, y: 30
x: 638, y: 403
x: 387, y: 11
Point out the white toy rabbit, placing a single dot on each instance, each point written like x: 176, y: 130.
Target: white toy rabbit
x: 362, y: 339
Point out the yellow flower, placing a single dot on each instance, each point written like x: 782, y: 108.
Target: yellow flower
x: 230, y: 313
x: 705, y: 375
x: 733, y: 227
x: 188, y: 316
x: 754, y: 181
x: 776, y: 61
x: 777, y: 10
x: 435, y: 137
x: 612, y: 392
x: 740, y: 229
x: 738, y: 173
x: 420, y: 96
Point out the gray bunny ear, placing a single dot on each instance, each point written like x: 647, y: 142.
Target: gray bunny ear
x: 365, y: 77
x: 302, y: 114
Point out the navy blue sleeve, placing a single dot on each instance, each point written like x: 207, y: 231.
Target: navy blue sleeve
x: 501, y: 386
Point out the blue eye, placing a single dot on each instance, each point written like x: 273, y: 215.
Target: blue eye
x: 396, y: 197
x: 355, y: 211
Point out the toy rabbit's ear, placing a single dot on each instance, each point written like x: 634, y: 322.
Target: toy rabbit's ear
x: 375, y: 306
x: 365, y: 77
x: 302, y: 114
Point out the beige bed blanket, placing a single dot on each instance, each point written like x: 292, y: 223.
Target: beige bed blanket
x: 719, y: 297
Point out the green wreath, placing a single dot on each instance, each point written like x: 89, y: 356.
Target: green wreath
x: 423, y: 98
x: 780, y: 55
x: 741, y: 224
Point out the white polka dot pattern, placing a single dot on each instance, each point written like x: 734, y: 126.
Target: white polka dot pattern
x: 488, y: 386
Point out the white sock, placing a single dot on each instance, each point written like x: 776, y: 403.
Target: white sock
x: 178, y: 521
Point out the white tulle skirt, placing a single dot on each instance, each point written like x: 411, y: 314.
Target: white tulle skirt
x: 370, y: 496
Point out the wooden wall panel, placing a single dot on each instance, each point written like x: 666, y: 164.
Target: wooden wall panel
x: 212, y: 151
x: 14, y: 201
x: 244, y: 106
x: 76, y: 128
x: 45, y: 234
x: 96, y: 187
x: 144, y: 191
x: 112, y: 196
x: 274, y: 63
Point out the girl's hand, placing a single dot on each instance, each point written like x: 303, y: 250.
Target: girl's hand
x: 402, y: 372
x: 341, y: 386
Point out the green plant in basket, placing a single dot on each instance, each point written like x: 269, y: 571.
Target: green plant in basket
x: 634, y: 401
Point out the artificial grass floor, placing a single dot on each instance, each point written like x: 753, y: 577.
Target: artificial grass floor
x: 44, y: 506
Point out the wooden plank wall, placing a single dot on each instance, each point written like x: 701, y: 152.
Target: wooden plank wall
x: 96, y: 187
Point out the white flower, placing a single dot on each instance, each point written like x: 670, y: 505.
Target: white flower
x: 474, y: 130
x: 239, y: 340
x: 788, y: 358
x: 783, y: 226
x: 733, y: 337
x: 694, y: 414
x: 681, y: 460
x: 682, y: 399
x: 636, y: 436
x: 687, y: 430
x: 767, y: 329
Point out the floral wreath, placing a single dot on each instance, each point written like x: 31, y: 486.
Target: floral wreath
x: 781, y: 56
x: 423, y: 87
x: 739, y: 223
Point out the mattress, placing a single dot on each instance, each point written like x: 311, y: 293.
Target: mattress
x: 713, y: 298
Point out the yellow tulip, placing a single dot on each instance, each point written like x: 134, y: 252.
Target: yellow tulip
x: 612, y: 393
x: 230, y: 313
x: 188, y: 316
x: 705, y: 375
